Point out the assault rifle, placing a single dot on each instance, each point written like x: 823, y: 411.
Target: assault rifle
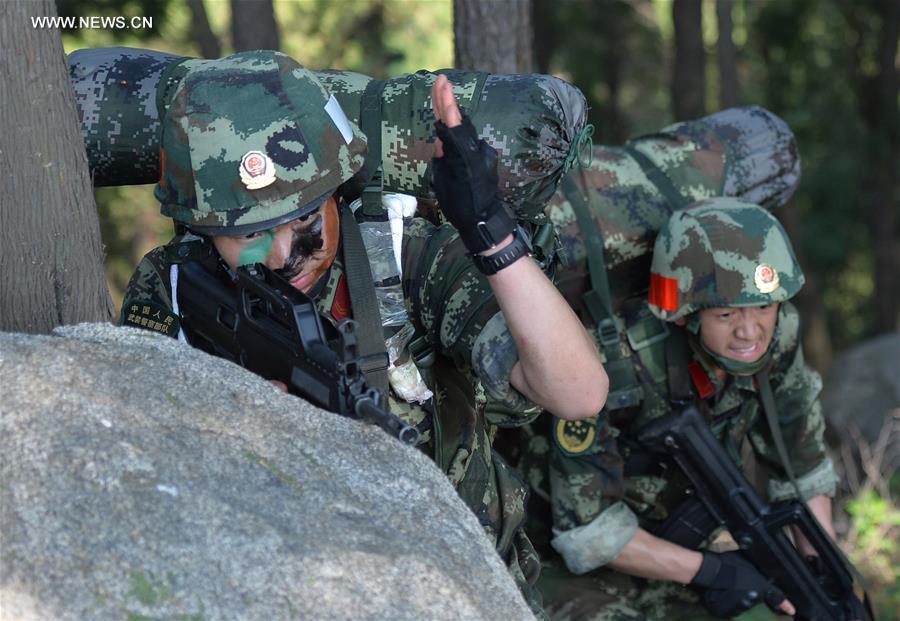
x: 727, y: 499
x: 274, y: 330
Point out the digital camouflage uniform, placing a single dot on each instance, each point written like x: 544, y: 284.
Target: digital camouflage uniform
x: 447, y: 300
x: 592, y: 482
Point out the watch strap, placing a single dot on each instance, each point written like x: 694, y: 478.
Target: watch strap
x: 518, y: 248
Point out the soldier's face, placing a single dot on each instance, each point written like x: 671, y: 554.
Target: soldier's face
x: 742, y: 334
x: 301, y: 250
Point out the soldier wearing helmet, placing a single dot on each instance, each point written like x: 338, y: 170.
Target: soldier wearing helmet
x: 722, y: 273
x: 254, y: 154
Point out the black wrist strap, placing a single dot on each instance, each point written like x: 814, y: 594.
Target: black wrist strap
x: 708, y: 571
x: 491, y: 231
x: 492, y: 264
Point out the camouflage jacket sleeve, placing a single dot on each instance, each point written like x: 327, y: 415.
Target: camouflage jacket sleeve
x: 451, y: 302
x: 591, y: 522
x: 801, y: 421
x: 147, y: 303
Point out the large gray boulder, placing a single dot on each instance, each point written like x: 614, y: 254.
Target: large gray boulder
x: 862, y: 393
x: 140, y: 479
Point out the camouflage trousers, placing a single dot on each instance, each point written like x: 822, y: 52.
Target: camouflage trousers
x: 524, y: 566
x: 607, y: 595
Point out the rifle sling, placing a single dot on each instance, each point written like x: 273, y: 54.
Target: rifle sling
x: 771, y: 412
x: 373, y: 356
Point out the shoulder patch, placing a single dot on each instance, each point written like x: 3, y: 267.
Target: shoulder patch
x: 150, y: 316
x: 574, y: 437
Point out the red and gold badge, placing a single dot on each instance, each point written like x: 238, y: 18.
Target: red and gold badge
x: 766, y: 278
x: 257, y: 170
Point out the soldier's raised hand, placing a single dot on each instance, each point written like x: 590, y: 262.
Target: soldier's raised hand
x: 465, y: 176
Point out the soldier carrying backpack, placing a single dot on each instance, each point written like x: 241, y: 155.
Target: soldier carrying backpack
x: 255, y: 150
x: 721, y: 276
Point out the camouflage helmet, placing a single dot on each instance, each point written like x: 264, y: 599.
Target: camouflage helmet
x: 251, y: 141
x: 721, y: 252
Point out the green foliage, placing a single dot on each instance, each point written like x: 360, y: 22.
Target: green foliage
x: 380, y: 38
x: 876, y: 523
x: 157, y: 10
x: 615, y: 53
x: 130, y: 226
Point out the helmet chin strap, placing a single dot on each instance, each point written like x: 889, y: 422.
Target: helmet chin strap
x: 729, y: 365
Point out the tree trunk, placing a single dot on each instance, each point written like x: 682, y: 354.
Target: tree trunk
x: 616, y: 123
x: 543, y: 33
x: 689, y: 78
x: 728, y: 86
x: 202, y: 31
x: 51, y: 256
x: 253, y: 25
x: 493, y: 36
x: 880, y: 183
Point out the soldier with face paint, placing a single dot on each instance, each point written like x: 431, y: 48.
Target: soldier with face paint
x: 254, y: 151
x: 722, y: 273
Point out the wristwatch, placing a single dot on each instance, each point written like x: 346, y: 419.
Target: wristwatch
x: 520, y: 247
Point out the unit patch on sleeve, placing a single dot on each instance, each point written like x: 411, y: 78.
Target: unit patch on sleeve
x: 150, y: 316
x: 574, y: 437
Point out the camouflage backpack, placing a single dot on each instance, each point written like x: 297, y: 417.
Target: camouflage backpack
x: 535, y: 122
x: 608, y: 215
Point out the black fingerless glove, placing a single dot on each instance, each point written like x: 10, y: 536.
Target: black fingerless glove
x: 465, y: 182
x: 730, y: 584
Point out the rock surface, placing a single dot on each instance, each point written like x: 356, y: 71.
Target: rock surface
x: 144, y: 479
x: 862, y: 391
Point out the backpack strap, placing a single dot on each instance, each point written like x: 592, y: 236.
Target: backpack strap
x: 677, y: 357
x: 373, y: 356
x: 625, y: 391
x: 658, y: 178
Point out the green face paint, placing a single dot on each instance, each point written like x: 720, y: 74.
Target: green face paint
x: 257, y: 250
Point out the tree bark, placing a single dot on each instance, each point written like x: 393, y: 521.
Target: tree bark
x: 210, y: 47
x: 493, y: 36
x: 253, y: 25
x: 880, y: 186
x: 689, y: 75
x: 51, y: 256
x: 728, y: 84
x: 543, y: 34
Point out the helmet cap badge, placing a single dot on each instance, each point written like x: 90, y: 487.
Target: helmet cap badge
x: 257, y: 170
x: 766, y: 278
